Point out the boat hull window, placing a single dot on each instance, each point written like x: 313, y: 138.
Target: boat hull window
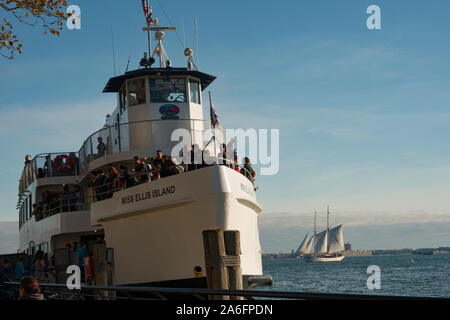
x: 136, y: 92
x: 168, y: 90
x: 194, y: 91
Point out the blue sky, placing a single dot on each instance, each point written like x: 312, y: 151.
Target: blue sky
x: 363, y: 115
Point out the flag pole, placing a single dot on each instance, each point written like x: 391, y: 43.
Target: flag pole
x: 149, y: 36
x: 213, y: 124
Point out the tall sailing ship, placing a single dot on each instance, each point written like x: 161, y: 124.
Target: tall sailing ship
x: 153, y: 230
x: 327, y: 245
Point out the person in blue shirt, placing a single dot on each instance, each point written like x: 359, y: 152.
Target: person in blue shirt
x: 19, y: 270
x: 82, y: 253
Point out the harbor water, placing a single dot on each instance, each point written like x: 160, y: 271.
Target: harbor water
x: 426, y: 275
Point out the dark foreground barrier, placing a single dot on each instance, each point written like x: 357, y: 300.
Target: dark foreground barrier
x: 61, y: 292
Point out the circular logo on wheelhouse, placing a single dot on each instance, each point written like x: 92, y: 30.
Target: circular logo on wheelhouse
x: 169, y: 111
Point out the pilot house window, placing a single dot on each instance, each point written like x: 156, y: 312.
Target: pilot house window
x: 168, y: 90
x: 136, y: 92
x: 194, y: 91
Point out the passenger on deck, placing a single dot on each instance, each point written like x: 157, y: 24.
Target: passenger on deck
x: 196, y: 156
x: 126, y: 180
x: 29, y: 289
x: 81, y: 254
x: 100, y: 186
x: 41, y: 173
x: 175, y: 167
x: 208, y: 160
x: 67, y: 200
x: 27, y: 159
x: 35, y: 211
x: 222, y: 157
x: 79, y: 197
x: 167, y: 166
x: 41, y: 266
x: 112, y: 181
x: 142, y: 170
x: 48, y: 166
x: 157, y: 165
x: 40, y: 210
x: 19, y: 270
x: 236, y: 164
x: 75, y: 170
x: 101, y: 147
x: 185, y: 155
x: 4, y: 271
x: 248, y: 171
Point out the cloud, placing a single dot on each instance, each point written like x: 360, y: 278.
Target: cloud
x: 9, y: 236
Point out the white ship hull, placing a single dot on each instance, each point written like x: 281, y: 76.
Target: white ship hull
x: 325, y: 259
x: 156, y: 235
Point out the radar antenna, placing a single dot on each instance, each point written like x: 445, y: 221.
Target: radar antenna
x: 152, y: 25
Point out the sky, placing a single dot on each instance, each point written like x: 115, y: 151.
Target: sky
x: 363, y: 114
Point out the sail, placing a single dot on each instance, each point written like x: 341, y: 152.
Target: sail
x: 309, y: 246
x: 336, y: 240
x: 321, y: 242
x: 302, y: 246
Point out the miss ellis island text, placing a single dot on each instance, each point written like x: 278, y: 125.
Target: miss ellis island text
x: 155, y: 193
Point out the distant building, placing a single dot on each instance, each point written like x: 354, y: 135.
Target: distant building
x: 348, y: 246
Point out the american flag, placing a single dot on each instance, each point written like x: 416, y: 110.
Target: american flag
x: 147, y: 11
x: 213, y: 114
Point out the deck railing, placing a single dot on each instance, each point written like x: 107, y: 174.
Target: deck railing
x: 45, y: 165
x: 121, y: 137
x: 61, y: 292
x: 116, y: 138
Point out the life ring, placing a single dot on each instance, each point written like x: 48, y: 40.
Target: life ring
x: 63, y: 165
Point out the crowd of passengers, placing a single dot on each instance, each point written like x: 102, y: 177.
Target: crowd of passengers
x: 106, y: 183
x: 49, y: 170
x: 160, y: 166
x: 70, y: 199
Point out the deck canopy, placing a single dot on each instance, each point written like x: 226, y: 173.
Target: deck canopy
x: 114, y: 84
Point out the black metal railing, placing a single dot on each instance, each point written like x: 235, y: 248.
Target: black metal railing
x: 46, y: 165
x: 106, y: 190
x: 60, y: 291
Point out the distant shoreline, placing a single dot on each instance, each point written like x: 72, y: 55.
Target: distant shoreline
x: 364, y: 253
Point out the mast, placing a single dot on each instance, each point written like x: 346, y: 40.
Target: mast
x: 328, y: 218
x: 315, y: 218
x: 152, y: 25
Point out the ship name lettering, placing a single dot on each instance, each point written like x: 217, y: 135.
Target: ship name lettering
x: 128, y: 199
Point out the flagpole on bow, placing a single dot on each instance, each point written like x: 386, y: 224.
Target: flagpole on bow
x: 213, y: 124
x: 148, y: 18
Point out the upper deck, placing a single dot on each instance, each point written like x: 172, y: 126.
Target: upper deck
x: 49, y: 165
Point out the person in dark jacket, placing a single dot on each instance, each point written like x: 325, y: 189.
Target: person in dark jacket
x: 248, y: 171
x: 29, y: 289
x: 4, y: 271
x: 126, y: 180
x: 100, y: 186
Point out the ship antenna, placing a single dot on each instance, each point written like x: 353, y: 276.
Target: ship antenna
x: 196, y: 41
x: 184, y: 36
x: 113, y: 53
x: 152, y: 25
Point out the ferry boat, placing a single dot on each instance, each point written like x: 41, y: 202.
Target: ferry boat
x: 154, y: 229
